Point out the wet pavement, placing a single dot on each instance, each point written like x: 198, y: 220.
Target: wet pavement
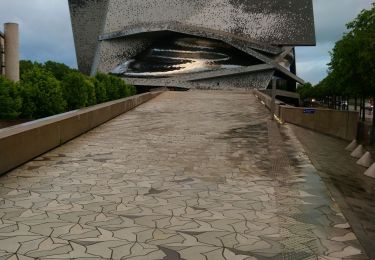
x: 354, y: 191
x: 188, y: 175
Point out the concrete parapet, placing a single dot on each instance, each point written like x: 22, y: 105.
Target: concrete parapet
x: 21, y: 143
x: 267, y: 100
x: 341, y: 124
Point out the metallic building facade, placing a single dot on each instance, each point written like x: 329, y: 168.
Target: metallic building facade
x: 109, y: 33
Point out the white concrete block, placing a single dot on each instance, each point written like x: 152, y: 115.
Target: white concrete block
x: 371, y: 171
x: 358, y: 152
x: 351, y: 147
x: 366, y: 160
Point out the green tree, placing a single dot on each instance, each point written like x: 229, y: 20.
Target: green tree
x: 58, y: 70
x: 41, y: 94
x: 10, y: 101
x: 123, y: 89
x: 100, y: 90
x: 27, y: 65
x: 90, y: 89
x: 110, y: 86
x: 351, y: 70
x: 305, y: 91
x: 75, y: 90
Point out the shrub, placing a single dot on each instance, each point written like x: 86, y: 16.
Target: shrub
x: 100, y: 91
x: 52, y: 88
x: 132, y: 90
x: 75, y: 90
x: 116, y: 88
x: 10, y: 101
x: 110, y: 86
x: 119, y: 84
x: 41, y: 94
x: 90, y: 89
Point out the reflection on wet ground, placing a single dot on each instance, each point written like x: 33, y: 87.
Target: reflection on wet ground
x: 197, y: 175
x: 182, y: 55
x: 354, y: 192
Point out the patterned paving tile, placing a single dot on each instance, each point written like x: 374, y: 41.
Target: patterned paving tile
x: 192, y: 175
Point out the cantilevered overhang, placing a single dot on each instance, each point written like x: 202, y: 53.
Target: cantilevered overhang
x: 237, y: 41
x: 273, y: 22
x: 264, y: 25
x: 247, y: 45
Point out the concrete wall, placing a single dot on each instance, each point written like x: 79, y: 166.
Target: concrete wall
x: 341, y: 124
x: 21, y: 143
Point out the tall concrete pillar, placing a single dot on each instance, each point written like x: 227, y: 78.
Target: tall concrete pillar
x: 12, y: 60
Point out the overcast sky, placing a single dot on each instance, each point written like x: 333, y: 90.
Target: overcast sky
x: 46, y: 32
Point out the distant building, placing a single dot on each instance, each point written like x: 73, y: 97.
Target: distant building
x: 210, y: 44
x: 9, y: 52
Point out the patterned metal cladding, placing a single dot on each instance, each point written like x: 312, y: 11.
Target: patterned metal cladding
x: 88, y: 18
x: 107, y: 32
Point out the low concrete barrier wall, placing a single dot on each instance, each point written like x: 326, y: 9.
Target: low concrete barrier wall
x: 341, y: 124
x: 21, y: 143
x: 267, y: 101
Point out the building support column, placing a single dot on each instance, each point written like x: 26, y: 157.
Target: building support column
x: 12, y: 61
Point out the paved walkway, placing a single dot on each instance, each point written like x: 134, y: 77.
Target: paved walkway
x: 188, y: 175
x: 354, y: 191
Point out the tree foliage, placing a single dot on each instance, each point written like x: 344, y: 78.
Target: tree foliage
x: 10, y: 101
x: 305, y: 91
x: 52, y: 88
x: 41, y: 94
x: 58, y: 70
x: 351, y: 70
x: 75, y: 91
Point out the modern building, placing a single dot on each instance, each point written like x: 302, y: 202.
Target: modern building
x: 9, y: 52
x: 205, y: 44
